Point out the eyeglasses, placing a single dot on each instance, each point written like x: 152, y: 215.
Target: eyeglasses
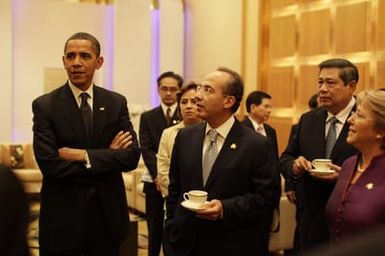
x: 168, y: 89
x: 205, y: 89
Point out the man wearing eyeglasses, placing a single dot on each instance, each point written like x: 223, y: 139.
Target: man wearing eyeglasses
x: 152, y: 124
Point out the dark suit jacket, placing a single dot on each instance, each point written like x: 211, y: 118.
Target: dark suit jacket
x: 313, y: 194
x: 241, y: 178
x: 272, y: 138
x: 152, y: 124
x: 68, y: 186
x: 270, y: 133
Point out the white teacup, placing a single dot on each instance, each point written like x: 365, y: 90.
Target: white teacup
x: 322, y: 164
x: 196, y: 197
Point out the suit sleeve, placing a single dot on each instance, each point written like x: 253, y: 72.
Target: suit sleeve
x: 46, y: 146
x: 123, y: 160
x: 285, y: 163
x: 148, y: 146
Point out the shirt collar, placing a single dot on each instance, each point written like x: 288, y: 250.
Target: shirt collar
x: 255, y: 123
x: 172, y: 107
x: 343, y: 114
x: 224, y: 128
x: 76, y: 92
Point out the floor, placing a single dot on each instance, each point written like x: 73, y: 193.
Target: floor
x: 33, y: 232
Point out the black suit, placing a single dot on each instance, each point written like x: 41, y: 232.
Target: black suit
x: 241, y: 178
x: 152, y: 124
x: 271, y: 135
x: 72, y: 195
x: 312, y: 194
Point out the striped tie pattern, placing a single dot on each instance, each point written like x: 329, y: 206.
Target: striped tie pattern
x: 210, y: 154
x: 331, y: 137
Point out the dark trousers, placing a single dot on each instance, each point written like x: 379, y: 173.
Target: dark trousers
x: 97, y: 240
x: 154, y: 217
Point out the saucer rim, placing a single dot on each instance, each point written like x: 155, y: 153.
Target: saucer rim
x: 317, y: 171
x: 187, y: 205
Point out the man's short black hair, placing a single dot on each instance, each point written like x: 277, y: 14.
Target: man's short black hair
x: 348, y: 71
x: 256, y: 98
x: 171, y: 74
x: 85, y: 36
x: 234, y: 87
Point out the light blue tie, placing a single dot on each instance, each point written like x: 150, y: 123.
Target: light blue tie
x: 210, y: 154
x: 331, y: 138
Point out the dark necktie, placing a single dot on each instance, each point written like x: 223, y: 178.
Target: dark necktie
x: 331, y: 137
x: 87, y: 116
x: 168, y: 116
x: 210, y: 154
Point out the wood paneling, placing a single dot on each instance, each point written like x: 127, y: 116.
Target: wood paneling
x: 307, y: 85
x: 314, y: 33
x: 283, y: 38
x: 352, y: 28
x: 381, y: 25
x: 299, y: 34
x: 282, y: 126
x: 381, y: 75
x: 281, y: 80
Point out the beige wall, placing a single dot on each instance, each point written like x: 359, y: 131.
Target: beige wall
x: 219, y: 33
x: 6, y: 70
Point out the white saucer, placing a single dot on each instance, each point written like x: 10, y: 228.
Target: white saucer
x: 321, y: 172
x: 192, y: 207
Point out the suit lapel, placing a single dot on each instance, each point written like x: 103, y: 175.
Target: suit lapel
x: 225, y: 153
x: 71, y: 112
x: 99, y: 112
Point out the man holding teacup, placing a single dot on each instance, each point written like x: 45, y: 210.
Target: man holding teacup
x: 321, y: 138
x: 233, y: 164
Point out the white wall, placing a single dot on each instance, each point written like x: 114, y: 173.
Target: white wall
x: 214, y: 36
x: 6, y: 70
x: 40, y: 28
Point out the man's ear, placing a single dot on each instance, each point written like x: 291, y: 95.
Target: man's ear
x: 99, y: 61
x: 353, y: 85
x: 229, y: 101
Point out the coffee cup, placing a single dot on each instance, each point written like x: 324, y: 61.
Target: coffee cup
x: 322, y: 164
x: 196, y: 197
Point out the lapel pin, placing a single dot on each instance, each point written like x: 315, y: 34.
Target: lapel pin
x: 175, y: 121
x: 369, y: 186
x: 233, y: 146
x: 101, y: 109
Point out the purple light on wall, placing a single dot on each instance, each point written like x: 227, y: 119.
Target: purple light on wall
x: 155, y: 33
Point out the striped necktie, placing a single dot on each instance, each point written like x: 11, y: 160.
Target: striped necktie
x: 210, y: 154
x: 331, y: 137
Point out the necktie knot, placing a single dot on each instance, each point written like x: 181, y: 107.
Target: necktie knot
x: 333, y: 120
x: 213, y: 134
x: 84, y: 97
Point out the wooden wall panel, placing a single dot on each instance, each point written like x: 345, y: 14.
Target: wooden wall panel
x: 282, y: 127
x: 364, y: 72
x: 280, y: 82
x: 352, y: 28
x: 381, y: 75
x: 314, y: 32
x: 297, y: 35
x: 307, y: 85
x: 281, y: 3
x: 381, y: 25
x: 283, y: 38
